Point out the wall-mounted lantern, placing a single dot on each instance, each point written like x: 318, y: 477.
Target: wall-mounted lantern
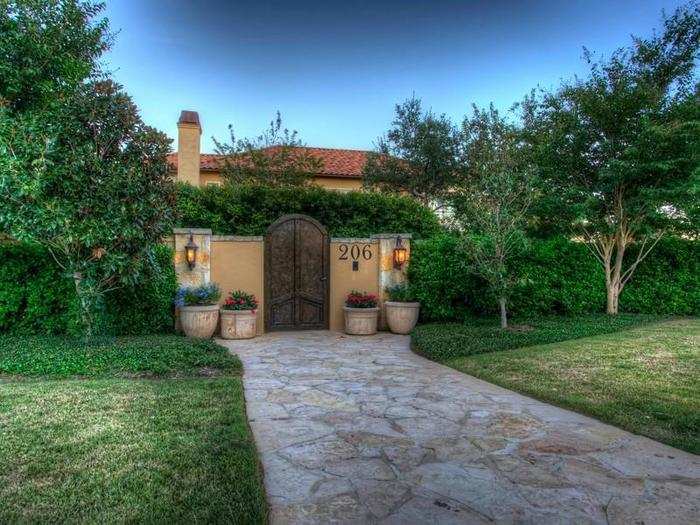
x: 400, y: 254
x: 191, y: 253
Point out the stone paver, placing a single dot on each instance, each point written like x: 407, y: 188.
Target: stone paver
x: 361, y: 430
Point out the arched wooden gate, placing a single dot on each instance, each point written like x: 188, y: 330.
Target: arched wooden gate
x: 296, y: 274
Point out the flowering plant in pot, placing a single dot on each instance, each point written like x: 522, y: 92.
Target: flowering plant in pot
x: 238, y: 315
x: 199, y: 311
x: 361, y: 313
x: 402, y: 309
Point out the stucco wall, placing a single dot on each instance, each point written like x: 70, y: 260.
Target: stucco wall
x: 329, y: 183
x: 237, y: 263
x: 343, y: 279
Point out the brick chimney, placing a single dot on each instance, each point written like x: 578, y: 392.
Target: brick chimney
x: 189, y: 132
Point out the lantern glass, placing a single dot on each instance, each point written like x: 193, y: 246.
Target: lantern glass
x: 191, y: 253
x: 400, y: 254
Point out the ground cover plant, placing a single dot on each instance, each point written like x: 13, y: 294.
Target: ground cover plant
x: 139, y: 429
x: 645, y: 380
x: 444, y: 341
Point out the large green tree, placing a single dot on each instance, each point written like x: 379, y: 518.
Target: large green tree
x: 418, y: 156
x: 80, y: 173
x: 276, y: 157
x: 491, y: 201
x: 618, y: 151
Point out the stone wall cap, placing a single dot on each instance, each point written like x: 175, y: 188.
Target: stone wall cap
x: 237, y: 238
x: 194, y: 231
x: 391, y: 235
x: 364, y: 240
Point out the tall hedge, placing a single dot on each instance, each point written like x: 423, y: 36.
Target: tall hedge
x: 249, y: 210
x: 37, y: 297
x: 558, y: 276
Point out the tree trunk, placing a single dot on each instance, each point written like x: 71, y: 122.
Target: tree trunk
x: 86, y: 305
x: 504, y: 313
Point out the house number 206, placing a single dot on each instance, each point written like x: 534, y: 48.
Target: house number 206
x: 354, y: 252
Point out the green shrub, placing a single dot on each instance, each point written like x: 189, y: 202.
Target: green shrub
x: 249, y: 210
x: 37, y: 297
x: 557, y: 276
x: 445, y: 341
x: 401, y: 293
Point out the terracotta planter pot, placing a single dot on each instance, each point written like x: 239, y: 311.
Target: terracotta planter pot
x: 401, y: 317
x: 361, y: 321
x: 199, y: 321
x: 238, y: 324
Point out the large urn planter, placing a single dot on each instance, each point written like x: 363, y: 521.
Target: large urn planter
x: 361, y: 313
x: 401, y: 317
x: 238, y: 324
x: 199, y: 311
x: 199, y: 321
x: 361, y: 321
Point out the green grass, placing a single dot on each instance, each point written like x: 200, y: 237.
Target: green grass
x: 442, y: 341
x: 163, y: 355
x: 645, y: 380
x: 127, y: 449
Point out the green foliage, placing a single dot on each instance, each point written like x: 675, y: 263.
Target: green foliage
x: 47, y: 48
x: 275, y: 158
x: 202, y: 295
x: 418, y: 155
x: 37, y: 297
x: 146, y: 307
x: 443, y: 342
x: 557, y: 276
x: 250, y: 209
x: 401, y: 293
x: 154, y: 355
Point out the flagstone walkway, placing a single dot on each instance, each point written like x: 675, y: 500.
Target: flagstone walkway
x: 361, y: 430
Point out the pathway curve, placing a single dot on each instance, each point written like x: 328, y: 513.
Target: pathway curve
x: 361, y: 430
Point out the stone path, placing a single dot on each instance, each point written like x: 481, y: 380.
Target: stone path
x: 361, y: 430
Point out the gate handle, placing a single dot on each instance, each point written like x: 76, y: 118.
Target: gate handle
x: 323, y: 278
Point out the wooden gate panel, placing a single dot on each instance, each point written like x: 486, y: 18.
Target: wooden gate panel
x: 296, y: 274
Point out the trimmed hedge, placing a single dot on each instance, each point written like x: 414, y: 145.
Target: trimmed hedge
x: 445, y: 341
x: 250, y: 209
x: 36, y: 297
x: 558, y: 276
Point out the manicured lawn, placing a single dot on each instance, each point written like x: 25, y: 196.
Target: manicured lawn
x: 127, y: 449
x: 645, y: 380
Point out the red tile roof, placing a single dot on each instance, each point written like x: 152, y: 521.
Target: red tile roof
x: 345, y: 163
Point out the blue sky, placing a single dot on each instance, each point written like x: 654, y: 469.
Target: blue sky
x: 336, y: 69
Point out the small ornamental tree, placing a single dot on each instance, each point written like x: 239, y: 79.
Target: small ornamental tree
x: 418, y: 156
x: 80, y: 173
x: 276, y: 157
x: 618, y: 153
x: 492, y: 202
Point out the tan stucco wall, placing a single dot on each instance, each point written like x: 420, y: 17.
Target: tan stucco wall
x: 329, y: 183
x: 239, y: 265
x: 338, y: 183
x: 343, y: 279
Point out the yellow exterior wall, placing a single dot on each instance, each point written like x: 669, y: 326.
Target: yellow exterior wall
x: 339, y: 183
x: 239, y: 265
x: 343, y: 279
x: 329, y: 183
